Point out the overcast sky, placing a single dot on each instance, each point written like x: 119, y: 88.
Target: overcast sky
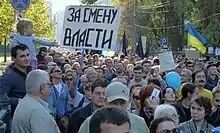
x: 61, y: 4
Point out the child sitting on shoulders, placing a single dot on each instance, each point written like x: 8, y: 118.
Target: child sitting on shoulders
x: 25, y: 36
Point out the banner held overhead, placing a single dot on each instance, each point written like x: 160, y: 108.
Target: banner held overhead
x: 90, y: 27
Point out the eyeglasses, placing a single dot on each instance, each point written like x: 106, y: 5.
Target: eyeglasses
x: 136, y: 97
x: 68, y: 79
x: 175, y: 130
x: 49, y: 84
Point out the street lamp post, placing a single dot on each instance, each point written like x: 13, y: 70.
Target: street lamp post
x: 5, y: 49
x: 183, y: 25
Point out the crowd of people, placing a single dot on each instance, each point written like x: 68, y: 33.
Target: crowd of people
x: 110, y: 94
x: 75, y: 92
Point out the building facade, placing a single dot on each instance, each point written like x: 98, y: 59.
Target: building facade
x: 58, y: 20
x: 49, y: 4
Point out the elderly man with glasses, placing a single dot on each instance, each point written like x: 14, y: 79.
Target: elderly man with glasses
x: 32, y: 114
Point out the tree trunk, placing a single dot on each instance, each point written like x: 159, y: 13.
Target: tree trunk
x: 175, y: 33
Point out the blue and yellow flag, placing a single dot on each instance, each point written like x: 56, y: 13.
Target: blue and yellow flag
x: 195, y: 39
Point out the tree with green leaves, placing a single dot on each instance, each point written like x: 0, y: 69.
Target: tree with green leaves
x: 37, y: 12
x: 156, y: 19
x: 126, y: 20
x: 6, y: 19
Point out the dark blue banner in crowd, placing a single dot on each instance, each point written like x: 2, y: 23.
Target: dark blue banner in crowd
x: 81, y: 64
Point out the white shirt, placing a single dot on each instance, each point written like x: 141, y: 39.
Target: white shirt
x: 77, y: 99
x: 59, y: 88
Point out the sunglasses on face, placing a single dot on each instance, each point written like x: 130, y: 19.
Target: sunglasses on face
x: 52, y: 65
x: 175, y: 130
x: 136, y: 97
x: 57, y: 71
x: 68, y: 79
x: 86, y: 89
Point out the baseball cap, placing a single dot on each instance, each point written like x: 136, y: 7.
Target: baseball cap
x: 117, y: 90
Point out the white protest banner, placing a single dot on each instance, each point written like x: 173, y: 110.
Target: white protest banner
x: 210, y: 50
x: 166, y: 61
x: 90, y: 27
x: 192, y: 54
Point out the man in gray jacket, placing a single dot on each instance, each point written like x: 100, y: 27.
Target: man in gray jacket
x: 32, y: 114
x: 118, y: 96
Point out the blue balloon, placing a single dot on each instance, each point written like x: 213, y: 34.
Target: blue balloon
x: 216, y: 130
x: 173, y: 80
x: 105, y: 52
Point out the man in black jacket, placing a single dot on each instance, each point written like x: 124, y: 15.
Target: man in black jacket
x: 98, y: 100
x: 12, y: 83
